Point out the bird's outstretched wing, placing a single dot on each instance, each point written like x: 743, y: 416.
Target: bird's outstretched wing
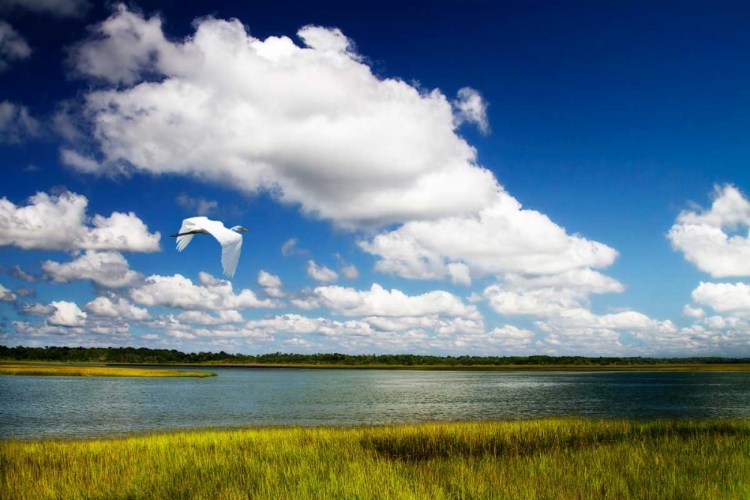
x: 192, y: 226
x: 231, y: 243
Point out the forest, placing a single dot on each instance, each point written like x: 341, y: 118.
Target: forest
x: 171, y: 356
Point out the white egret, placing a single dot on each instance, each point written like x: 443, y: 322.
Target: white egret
x: 230, y: 239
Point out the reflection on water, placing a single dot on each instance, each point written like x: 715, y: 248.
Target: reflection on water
x: 83, y: 406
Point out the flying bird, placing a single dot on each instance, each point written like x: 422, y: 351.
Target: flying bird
x: 230, y: 239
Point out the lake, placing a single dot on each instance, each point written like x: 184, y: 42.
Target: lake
x: 33, y: 407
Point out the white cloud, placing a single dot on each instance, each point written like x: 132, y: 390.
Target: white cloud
x: 290, y: 248
x: 59, y: 222
x: 20, y: 274
x: 506, y: 338
x: 78, y: 161
x: 16, y: 123
x: 434, y: 323
x: 380, y: 302
x: 119, y: 309
x: 459, y: 272
x: 705, y: 236
x: 724, y: 297
x: 200, y: 205
x: 108, y: 269
x: 501, y: 238
x: 38, y: 309
x: 350, y: 271
x: 179, y: 292
x: 6, y: 295
x: 542, y: 302
x: 312, y: 112
x: 693, y: 312
x: 271, y: 284
x: 62, y: 8
x: 471, y: 108
x: 305, y: 302
x: 202, y: 318
x: 13, y: 46
x: 321, y: 273
x: 66, y: 314
x: 25, y: 292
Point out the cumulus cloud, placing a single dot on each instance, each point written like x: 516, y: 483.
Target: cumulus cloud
x: 378, y: 301
x: 290, y: 247
x: 312, y: 110
x: 506, y: 338
x: 78, y: 161
x: 6, y: 295
x: 693, y: 312
x: 20, y: 274
x: 108, y: 269
x: 16, y: 123
x: 66, y: 314
x: 349, y: 271
x: 321, y: 273
x: 25, y: 292
x: 548, y: 295
x: 61, y: 8
x: 471, y: 108
x: 503, y: 237
x: 180, y: 292
x: 38, y: 309
x: 271, y: 284
x: 119, y: 308
x: 724, y: 297
x: 706, y: 236
x: 202, y: 318
x: 13, y: 46
x: 199, y: 205
x: 433, y: 322
x: 59, y: 222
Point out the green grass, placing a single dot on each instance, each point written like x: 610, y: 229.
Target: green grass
x: 94, y: 371
x: 537, y: 459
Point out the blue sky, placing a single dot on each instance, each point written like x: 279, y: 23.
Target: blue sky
x: 505, y: 178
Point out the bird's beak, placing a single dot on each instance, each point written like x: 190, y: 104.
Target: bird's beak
x: 244, y: 230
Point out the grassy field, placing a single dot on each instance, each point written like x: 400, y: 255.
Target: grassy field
x: 94, y: 371
x: 537, y: 459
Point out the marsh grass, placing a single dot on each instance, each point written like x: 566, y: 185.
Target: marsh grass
x: 95, y: 371
x: 537, y: 459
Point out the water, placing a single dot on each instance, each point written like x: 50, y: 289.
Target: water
x: 33, y: 407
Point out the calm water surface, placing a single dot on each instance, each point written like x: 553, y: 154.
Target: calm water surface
x: 32, y: 407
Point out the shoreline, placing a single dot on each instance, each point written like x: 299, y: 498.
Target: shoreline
x: 665, y: 367
x: 724, y: 367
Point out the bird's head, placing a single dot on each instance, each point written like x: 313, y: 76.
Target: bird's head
x: 239, y: 229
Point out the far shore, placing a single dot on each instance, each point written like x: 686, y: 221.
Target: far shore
x: 666, y: 367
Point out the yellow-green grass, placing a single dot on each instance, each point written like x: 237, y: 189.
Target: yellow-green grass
x: 537, y: 459
x: 95, y: 371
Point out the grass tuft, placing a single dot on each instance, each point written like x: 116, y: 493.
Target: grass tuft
x: 95, y: 371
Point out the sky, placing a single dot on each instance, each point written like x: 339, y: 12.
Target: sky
x: 499, y: 178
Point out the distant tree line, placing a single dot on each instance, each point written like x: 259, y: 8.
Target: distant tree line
x: 171, y: 356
